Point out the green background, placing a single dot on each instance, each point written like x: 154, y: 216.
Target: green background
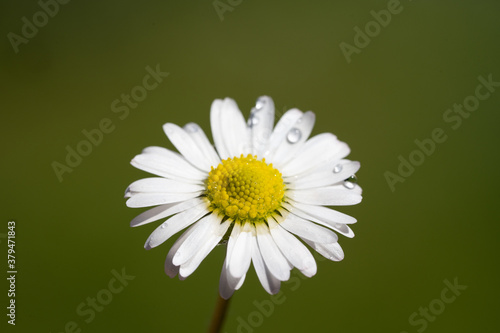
x: 441, y: 223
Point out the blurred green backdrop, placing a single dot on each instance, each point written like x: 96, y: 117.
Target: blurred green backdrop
x: 440, y: 224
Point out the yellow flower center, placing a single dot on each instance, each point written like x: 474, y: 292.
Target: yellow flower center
x: 245, y: 188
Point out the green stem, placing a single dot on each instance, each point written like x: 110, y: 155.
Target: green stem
x: 219, y: 315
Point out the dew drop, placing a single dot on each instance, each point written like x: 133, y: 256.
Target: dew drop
x: 253, y: 120
x: 350, y: 182
x: 260, y: 103
x: 294, y: 135
x: 163, y: 226
x: 348, y: 185
x: 353, y: 179
x: 192, y: 128
x: 223, y: 242
x: 337, y: 168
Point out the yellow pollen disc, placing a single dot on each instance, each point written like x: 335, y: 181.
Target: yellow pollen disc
x: 245, y: 188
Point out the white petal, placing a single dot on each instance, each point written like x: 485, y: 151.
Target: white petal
x: 323, y: 175
x: 204, y: 229
x: 240, y: 283
x: 288, y: 148
x: 235, y: 233
x: 336, y: 195
x: 327, y: 221
x: 343, y: 229
x: 201, y: 140
x: 186, y: 146
x: 268, y: 281
x: 305, y: 229
x: 282, y: 128
x: 293, y: 250
x: 236, y: 134
x: 217, y: 232
x: 166, y: 163
x: 175, y: 224
x: 153, y: 199
x: 229, y: 129
x: 225, y: 290
x: 217, y: 128
x: 239, y: 262
x: 323, y: 213
x: 162, y: 185
x: 331, y: 251
x: 170, y: 269
x: 317, y: 150
x: 232, y: 239
x: 273, y: 258
x: 261, y: 122
x: 163, y: 211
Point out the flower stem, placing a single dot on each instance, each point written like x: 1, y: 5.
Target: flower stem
x: 219, y: 315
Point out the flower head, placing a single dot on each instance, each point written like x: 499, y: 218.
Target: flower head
x: 245, y: 188
x: 261, y: 188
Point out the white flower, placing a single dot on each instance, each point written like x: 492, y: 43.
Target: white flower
x: 260, y: 187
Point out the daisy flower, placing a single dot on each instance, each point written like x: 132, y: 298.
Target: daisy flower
x: 262, y: 190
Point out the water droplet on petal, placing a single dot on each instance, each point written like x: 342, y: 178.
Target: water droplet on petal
x: 350, y: 182
x: 337, y: 168
x: 222, y: 242
x: 260, y: 103
x: 192, y: 128
x: 163, y: 226
x: 294, y: 135
x: 348, y: 185
x: 353, y: 179
x: 253, y: 120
